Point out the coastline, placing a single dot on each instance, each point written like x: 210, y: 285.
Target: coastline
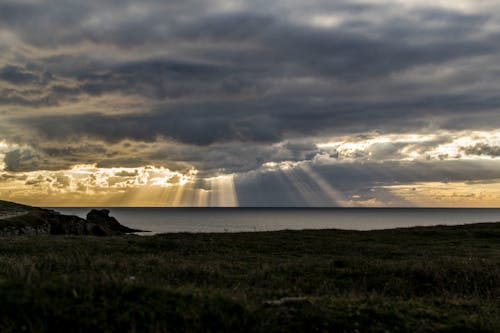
x: 161, y: 220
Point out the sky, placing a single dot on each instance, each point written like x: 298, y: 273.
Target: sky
x: 250, y: 103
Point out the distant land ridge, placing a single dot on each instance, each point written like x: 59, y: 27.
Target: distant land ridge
x: 17, y: 219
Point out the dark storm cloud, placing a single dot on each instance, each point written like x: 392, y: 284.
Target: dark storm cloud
x: 200, y: 127
x: 74, y: 150
x: 270, y: 120
x: 287, y: 49
x: 18, y: 75
x: 127, y: 23
x: 234, y: 157
x: 156, y: 78
x: 21, y: 160
x: 25, y: 98
x: 243, y: 52
x: 50, y: 23
x: 482, y: 149
x: 340, y: 52
x: 48, y: 157
x: 344, y: 175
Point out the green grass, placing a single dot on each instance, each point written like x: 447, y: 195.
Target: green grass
x: 444, y: 279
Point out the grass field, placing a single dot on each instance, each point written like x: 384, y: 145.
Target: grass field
x: 436, y: 279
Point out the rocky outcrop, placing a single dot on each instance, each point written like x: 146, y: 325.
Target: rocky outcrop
x: 38, y: 221
x: 101, y: 218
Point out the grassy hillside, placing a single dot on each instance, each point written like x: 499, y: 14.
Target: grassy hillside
x: 7, y: 207
x: 11, y: 212
x: 442, y: 279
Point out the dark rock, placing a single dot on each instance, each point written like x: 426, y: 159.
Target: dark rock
x: 101, y: 218
x: 24, y: 220
x: 97, y: 230
x: 67, y: 225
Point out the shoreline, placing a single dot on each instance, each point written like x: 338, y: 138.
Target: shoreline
x: 160, y: 220
x: 416, y: 228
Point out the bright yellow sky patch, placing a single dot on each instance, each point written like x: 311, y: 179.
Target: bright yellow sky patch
x: 87, y: 185
x: 453, y: 194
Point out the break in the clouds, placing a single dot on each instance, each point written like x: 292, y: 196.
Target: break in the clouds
x: 256, y: 103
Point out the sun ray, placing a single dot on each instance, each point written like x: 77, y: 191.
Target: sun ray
x: 334, y: 195
x: 201, y: 198
x: 303, y: 187
x: 223, y: 191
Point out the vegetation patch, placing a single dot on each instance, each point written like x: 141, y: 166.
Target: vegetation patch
x: 437, y: 279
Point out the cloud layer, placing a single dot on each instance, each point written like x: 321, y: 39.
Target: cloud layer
x: 256, y: 90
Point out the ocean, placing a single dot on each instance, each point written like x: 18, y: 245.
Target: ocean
x: 162, y: 220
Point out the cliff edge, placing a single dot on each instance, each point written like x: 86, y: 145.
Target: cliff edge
x: 17, y: 219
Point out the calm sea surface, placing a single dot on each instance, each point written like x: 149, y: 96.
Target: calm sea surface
x: 160, y: 220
